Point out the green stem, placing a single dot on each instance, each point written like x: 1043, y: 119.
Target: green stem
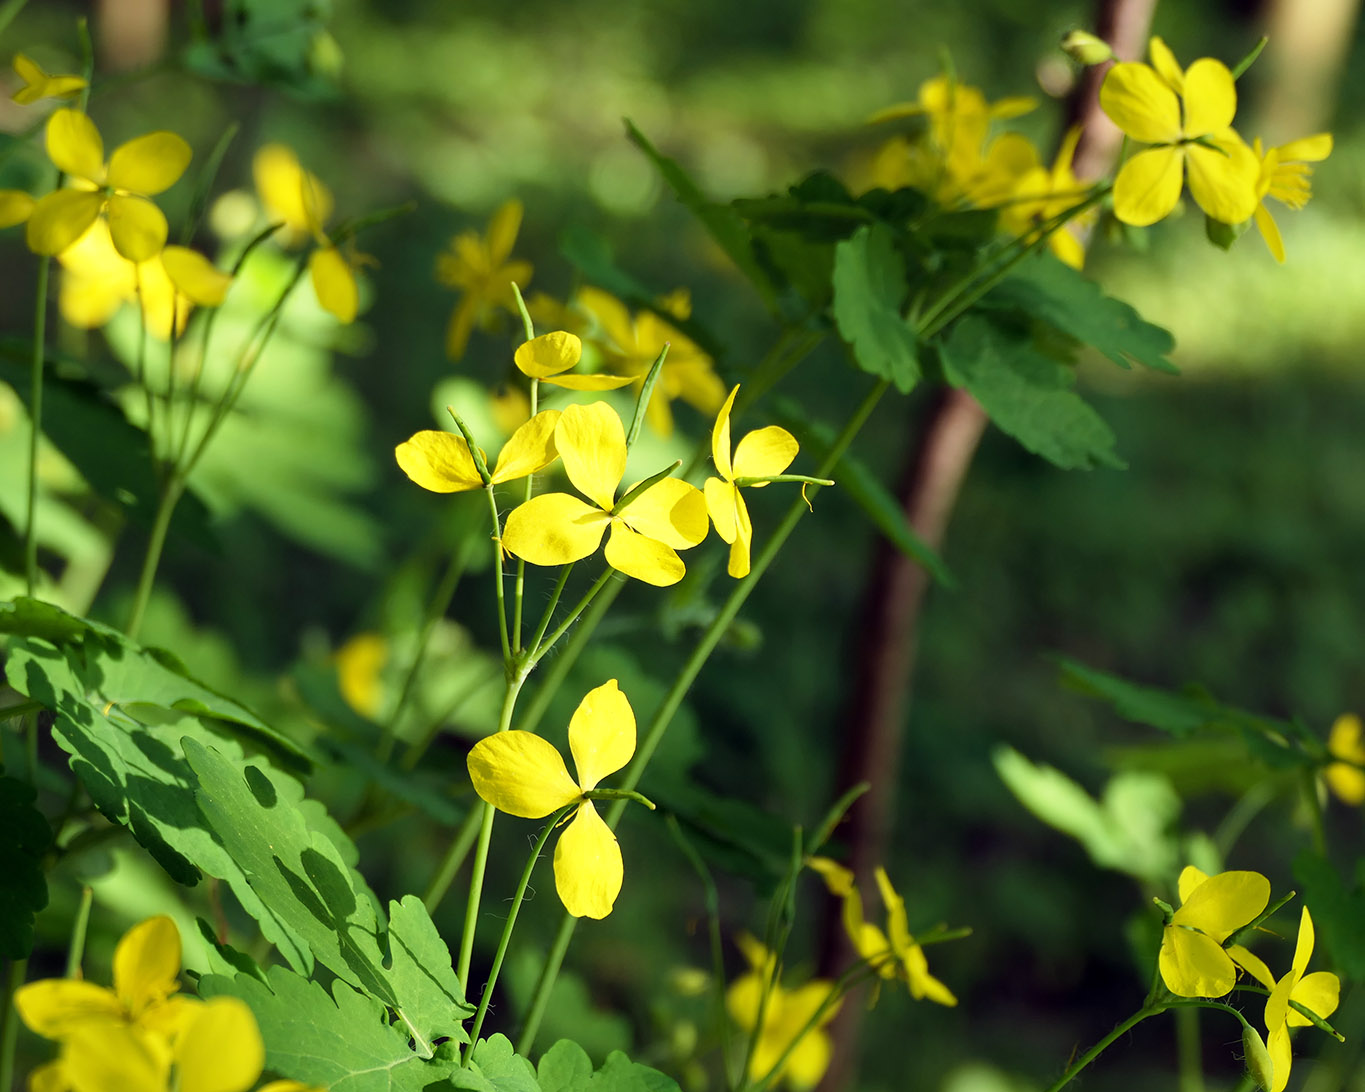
x: 35, y: 408
x: 583, y: 604
x: 497, y: 577
x: 1188, y: 1050
x: 560, y: 581
x: 171, y: 491
x: 506, y: 937
x: 7, y: 13
x: 1309, y: 783
x: 471, y: 918
x: 21, y: 709
x: 837, y: 990
x: 451, y: 862
x: 1100, y: 1047
x: 77, y: 949
x: 9, y: 1021
x: 673, y: 699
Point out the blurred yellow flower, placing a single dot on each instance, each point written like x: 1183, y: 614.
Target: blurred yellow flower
x: 1187, y: 118
x: 1284, y: 176
x: 1041, y: 195
x: 1192, y: 960
x: 482, y: 270
x: 1346, y: 778
x: 557, y: 528
x: 521, y: 774
x: 360, y: 672
x: 119, y: 189
x: 40, y: 85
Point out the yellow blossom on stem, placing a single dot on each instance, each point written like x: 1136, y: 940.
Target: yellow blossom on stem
x: 633, y: 343
x: 522, y: 774
x: 1187, y: 118
x: 1192, y: 960
x: 792, y: 1020
x: 1318, y: 992
x: 40, y: 85
x: 1346, y: 777
x: 120, y: 189
x: 481, y: 268
x: 1041, y: 195
x: 547, y: 357
x: 1284, y: 175
x: 646, y: 533
x: 442, y: 462
x: 763, y: 453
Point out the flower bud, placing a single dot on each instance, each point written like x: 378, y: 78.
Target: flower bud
x: 1084, y: 47
x: 1257, y: 1058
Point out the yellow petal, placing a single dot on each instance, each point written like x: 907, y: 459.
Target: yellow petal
x: 670, y: 511
x: 896, y: 926
x: 1281, y: 1057
x: 592, y: 442
x: 722, y: 502
x: 50, y: 1077
x: 438, y: 461
x: 1163, y: 60
x: 334, y: 283
x: 1224, y: 903
x: 837, y: 878
x: 1141, y: 103
x: 100, y: 1058
x: 149, y: 164
x: 521, y: 774
x: 1252, y: 964
x: 1277, y: 1005
x: 588, y: 868
x: 549, y: 354
x: 1319, y: 992
x: 594, y: 382
x: 461, y: 325
x: 74, y: 145
x: 611, y: 314
x: 1193, y: 965
x: 601, y: 734
x: 502, y: 231
x: 282, y: 184
x: 146, y: 962
x: 1223, y: 181
x: 922, y: 983
x: 137, y: 227
x: 194, y: 276
x: 720, y: 441
x: 743, y: 998
x: 53, y: 1007
x: 554, y: 529
x: 1348, y: 782
x: 221, y: 1050
x: 1306, y: 149
x: 1344, y: 740
x: 1303, y: 948
x: 738, y: 564
x: 1210, y: 97
x: 1190, y: 878
x: 1148, y: 186
x: 765, y: 452
x: 643, y: 558
x: 15, y: 207
x: 529, y: 449
x: 60, y: 218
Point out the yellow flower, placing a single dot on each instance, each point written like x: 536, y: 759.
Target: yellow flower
x: 633, y: 344
x: 360, y: 666
x: 1346, y: 778
x: 763, y: 453
x: 1041, y: 195
x: 1192, y: 960
x: 1318, y: 993
x: 39, y: 85
x: 522, y: 774
x: 792, y: 1020
x: 1187, y: 117
x: 483, y: 270
x: 16, y: 206
x: 120, y: 189
x: 556, y: 528
x: 441, y: 461
x: 1284, y: 176
x: 546, y: 357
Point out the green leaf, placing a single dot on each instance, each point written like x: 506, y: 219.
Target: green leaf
x: 1127, y: 829
x: 431, y: 999
x: 1027, y: 395
x: 855, y: 479
x: 869, y: 293
x: 343, y: 1042
x: 566, y: 1067
x: 503, y: 1067
x: 1050, y: 291
x: 275, y: 43
x: 24, y: 840
x: 1338, y: 911
x: 723, y: 223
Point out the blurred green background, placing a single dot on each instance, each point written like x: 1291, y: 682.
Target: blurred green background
x: 1228, y: 554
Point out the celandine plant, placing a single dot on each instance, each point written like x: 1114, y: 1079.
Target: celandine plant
x: 956, y: 262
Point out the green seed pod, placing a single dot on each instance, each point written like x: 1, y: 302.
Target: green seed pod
x: 1257, y: 1058
x: 1085, y: 48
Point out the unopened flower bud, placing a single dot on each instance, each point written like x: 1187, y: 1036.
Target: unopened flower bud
x: 1257, y: 1058
x: 1085, y: 48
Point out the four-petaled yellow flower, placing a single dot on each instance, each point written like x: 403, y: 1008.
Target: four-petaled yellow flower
x: 120, y: 188
x: 1192, y: 960
x: 1187, y: 117
x: 1346, y: 778
x: 483, y: 270
x: 763, y: 453
x: 787, y: 1020
x: 548, y: 357
x: 1284, y: 176
x: 40, y: 85
x: 441, y: 461
x: 522, y: 774
x: 556, y: 528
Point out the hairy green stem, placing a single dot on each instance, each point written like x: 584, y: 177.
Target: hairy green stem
x: 583, y: 604
x: 506, y: 937
x: 663, y: 716
x: 1099, y: 1048
x: 498, y: 578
